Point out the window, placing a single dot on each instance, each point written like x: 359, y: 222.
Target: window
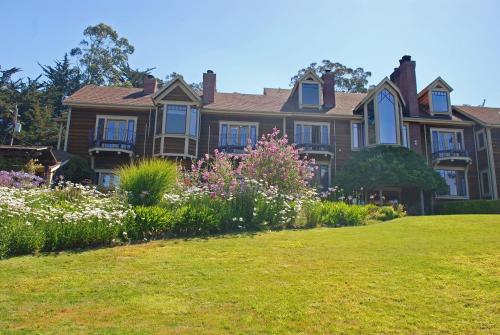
x: 356, y: 135
x: 321, y: 178
x: 312, y: 134
x: 485, y: 183
x: 447, y: 140
x: 115, y: 132
x: 310, y: 94
x: 176, y: 119
x: 237, y: 134
x: 193, y: 122
x: 481, y: 140
x: 405, y: 139
x: 455, y: 179
x: 440, y: 102
x: 387, y: 117
x: 108, y: 180
x: 372, y: 136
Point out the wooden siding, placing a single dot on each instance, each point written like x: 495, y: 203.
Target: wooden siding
x: 83, y: 120
x: 173, y: 145
x: 177, y: 94
x: 192, y: 147
x: 110, y: 160
x: 495, y: 141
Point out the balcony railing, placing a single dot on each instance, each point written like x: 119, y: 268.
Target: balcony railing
x: 112, y: 138
x: 450, y: 154
x: 316, y: 147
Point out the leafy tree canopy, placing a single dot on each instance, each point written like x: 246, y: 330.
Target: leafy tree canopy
x: 197, y: 87
x: 388, y: 166
x: 131, y: 77
x: 101, y: 54
x: 346, y: 79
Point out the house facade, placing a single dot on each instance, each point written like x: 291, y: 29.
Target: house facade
x: 111, y: 126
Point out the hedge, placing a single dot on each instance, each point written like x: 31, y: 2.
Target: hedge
x: 469, y: 207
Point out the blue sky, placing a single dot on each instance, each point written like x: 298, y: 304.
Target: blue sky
x: 256, y: 44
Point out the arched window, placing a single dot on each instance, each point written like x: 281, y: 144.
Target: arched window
x: 387, y: 117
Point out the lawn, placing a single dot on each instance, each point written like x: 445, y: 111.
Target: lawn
x: 413, y: 275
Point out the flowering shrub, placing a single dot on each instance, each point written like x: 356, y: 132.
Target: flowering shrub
x: 19, y: 179
x: 68, y: 216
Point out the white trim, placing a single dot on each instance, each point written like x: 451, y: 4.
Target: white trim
x: 483, y: 193
x: 307, y: 123
x: 66, y: 135
x: 491, y: 161
x: 117, y: 150
x: 302, y: 105
x: 431, y: 110
x: 477, y: 133
x: 280, y: 114
x: 171, y: 85
x: 466, y: 176
x: 447, y: 130
x: 407, y: 126
x: 238, y: 123
x: 360, y: 129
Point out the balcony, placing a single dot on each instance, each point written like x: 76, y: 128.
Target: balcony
x: 316, y: 148
x: 455, y: 156
x: 232, y: 149
x: 112, y: 139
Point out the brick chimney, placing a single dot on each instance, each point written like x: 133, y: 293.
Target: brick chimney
x: 328, y: 89
x: 150, y: 84
x: 405, y: 78
x: 209, y: 87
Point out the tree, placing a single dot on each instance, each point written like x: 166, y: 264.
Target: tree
x: 346, y: 79
x: 197, y: 87
x: 63, y: 79
x: 133, y: 77
x: 388, y: 166
x: 101, y: 54
x: 8, y: 96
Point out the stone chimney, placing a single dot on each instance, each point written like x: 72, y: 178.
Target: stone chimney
x: 405, y: 78
x: 150, y: 84
x: 328, y: 89
x: 209, y: 87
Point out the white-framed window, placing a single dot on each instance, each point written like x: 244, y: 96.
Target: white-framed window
x: 481, y: 139
x: 115, y: 131
x: 456, y: 179
x: 312, y: 133
x: 440, y: 102
x: 181, y: 120
x: 447, y: 140
x: 485, y: 183
x: 238, y: 134
x: 405, y: 136
x: 321, y: 177
x: 357, y: 138
x: 309, y: 93
x: 108, y: 179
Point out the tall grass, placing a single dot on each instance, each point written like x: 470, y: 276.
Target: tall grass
x: 147, y: 180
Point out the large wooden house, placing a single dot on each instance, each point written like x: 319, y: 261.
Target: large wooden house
x: 112, y: 126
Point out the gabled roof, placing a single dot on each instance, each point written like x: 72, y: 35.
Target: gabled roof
x: 486, y: 116
x: 109, y: 96
x: 371, y: 93
x: 177, y: 81
x: 310, y: 73
x: 434, y: 83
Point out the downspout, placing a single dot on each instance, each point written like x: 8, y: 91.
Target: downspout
x: 334, y: 148
x: 208, y: 141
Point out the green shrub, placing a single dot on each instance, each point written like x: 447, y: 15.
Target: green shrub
x: 19, y: 238
x: 76, y: 170
x: 469, y: 207
x: 148, y: 180
x: 196, y: 220
x: 335, y: 214
x: 385, y: 213
x: 149, y: 223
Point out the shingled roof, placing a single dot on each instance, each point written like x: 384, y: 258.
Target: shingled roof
x: 274, y: 100
x: 101, y: 95
x: 484, y: 115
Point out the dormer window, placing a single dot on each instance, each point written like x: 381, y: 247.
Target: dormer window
x: 440, y: 102
x: 310, y: 94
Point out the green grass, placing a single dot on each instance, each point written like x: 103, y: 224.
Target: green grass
x: 415, y: 275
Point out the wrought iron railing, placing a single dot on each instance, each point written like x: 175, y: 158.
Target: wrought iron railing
x: 112, y: 138
x: 450, y: 153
